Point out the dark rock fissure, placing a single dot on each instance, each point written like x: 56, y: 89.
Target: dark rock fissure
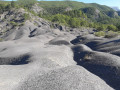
x: 15, y: 61
x: 22, y: 60
x: 108, y: 73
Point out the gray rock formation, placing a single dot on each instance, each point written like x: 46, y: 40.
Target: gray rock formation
x: 34, y: 56
x: 37, y: 9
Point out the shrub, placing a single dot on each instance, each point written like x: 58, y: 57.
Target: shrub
x: 13, y: 23
x: 111, y: 34
x: 13, y: 4
x: 26, y: 3
x: 112, y: 27
x: 100, y: 33
x: 87, y: 57
x: 26, y: 16
x: 101, y: 28
x: 0, y: 39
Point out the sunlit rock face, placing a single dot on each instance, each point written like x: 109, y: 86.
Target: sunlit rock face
x: 34, y: 56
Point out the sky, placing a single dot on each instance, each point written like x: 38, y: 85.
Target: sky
x: 111, y: 3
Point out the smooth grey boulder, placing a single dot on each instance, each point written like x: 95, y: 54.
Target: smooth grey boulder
x: 68, y: 78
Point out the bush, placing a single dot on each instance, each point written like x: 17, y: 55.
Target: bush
x: 111, y: 34
x: 13, y: 4
x: 112, y: 27
x: 87, y: 57
x: 101, y: 28
x: 26, y: 3
x: 100, y: 33
x: 13, y: 23
x: 26, y: 16
x: 0, y: 39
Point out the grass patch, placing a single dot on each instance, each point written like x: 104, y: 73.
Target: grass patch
x: 26, y: 16
x: 13, y: 23
x: 100, y: 33
x: 111, y: 34
x: 87, y: 57
x: 1, y: 39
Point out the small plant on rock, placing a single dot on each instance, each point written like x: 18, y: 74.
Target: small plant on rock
x: 87, y: 57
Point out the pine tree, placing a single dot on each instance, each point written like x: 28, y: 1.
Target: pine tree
x: 26, y: 3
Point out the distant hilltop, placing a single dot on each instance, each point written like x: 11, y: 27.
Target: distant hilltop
x: 116, y: 8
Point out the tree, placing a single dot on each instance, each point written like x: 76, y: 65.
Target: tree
x: 1, y: 1
x: 74, y: 22
x: 26, y: 3
x: 118, y: 27
x: 112, y: 27
x: 101, y: 28
x: 13, y: 4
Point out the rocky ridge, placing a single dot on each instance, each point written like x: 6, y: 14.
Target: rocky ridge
x: 34, y: 56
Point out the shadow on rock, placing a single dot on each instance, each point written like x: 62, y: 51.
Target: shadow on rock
x: 58, y: 42
x: 106, y: 66
x: 24, y: 59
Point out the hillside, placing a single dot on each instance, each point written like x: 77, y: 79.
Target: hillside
x: 96, y: 15
x: 68, y: 49
x: 73, y: 4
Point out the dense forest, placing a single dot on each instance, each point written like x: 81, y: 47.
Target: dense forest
x: 71, y: 13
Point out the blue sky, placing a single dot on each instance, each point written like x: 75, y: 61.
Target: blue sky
x: 110, y: 3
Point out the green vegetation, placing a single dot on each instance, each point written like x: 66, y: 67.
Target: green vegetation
x: 0, y: 39
x: 100, y: 17
x: 112, y: 27
x: 13, y: 23
x: 92, y: 15
x: 73, y: 5
x: 6, y: 6
x: 26, y: 16
x: 109, y: 34
x: 100, y: 33
x: 26, y: 3
x: 55, y: 10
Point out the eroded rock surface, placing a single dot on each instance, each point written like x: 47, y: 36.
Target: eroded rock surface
x: 35, y: 56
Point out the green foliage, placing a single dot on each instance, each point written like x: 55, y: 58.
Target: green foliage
x: 67, y: 20
x: 35, y: 14
x: 100, y: 33
x: 118, y: 13
x: 86, y: 15
x: 89, y: 10
x: 26, y: 16
x: 2, y: 8
x: 55, y: 10
x: 6, y: 6
x: 100, y: 17
x: 1, y: 39
x: 75, y: 13
x: 74, y: 22
x: 13, y: 4
x: 118, y: 27
x: 26, y: 3
x: 111, y: 34
x: 73, y: 5
x: 112, y: 27
x: 101, y: 27
x: 13, y: 23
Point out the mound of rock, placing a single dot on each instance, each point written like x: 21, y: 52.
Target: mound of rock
x: 68, y: 78
x: 34, y: 56
x: 104, y: 65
